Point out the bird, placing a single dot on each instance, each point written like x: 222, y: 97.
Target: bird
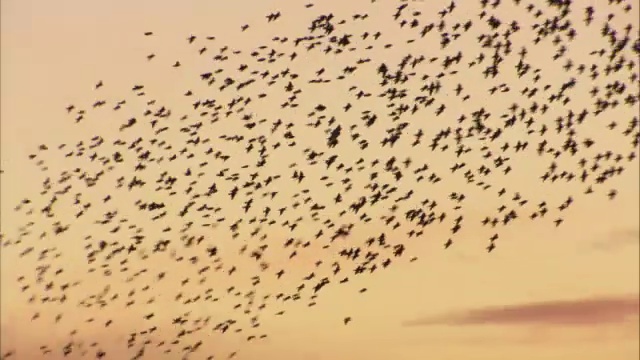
x: 280, y: 155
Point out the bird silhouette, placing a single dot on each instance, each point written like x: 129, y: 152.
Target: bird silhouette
x: 311, y: 161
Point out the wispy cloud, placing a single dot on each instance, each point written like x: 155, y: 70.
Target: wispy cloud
x: 580, y: 312
x: 618, y: 238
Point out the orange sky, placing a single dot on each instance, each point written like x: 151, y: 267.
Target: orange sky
x: 545, y: 293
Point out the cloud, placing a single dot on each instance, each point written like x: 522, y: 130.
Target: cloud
x: 618, y: 238
x: 580, y: 312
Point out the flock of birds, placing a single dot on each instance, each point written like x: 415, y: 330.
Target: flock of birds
x: 384, y: 152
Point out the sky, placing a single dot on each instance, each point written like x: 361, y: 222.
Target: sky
x: 545, y: 292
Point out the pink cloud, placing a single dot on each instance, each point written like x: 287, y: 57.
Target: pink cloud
x: 580, y: 312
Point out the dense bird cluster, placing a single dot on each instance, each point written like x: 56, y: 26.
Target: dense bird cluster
x: 272, y: 156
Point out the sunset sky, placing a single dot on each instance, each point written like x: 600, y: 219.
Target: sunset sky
x: 545, y: 293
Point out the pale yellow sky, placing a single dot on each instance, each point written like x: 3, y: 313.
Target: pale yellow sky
x: 573, y: 290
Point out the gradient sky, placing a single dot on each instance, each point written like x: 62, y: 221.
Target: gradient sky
x: 545, y: 293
